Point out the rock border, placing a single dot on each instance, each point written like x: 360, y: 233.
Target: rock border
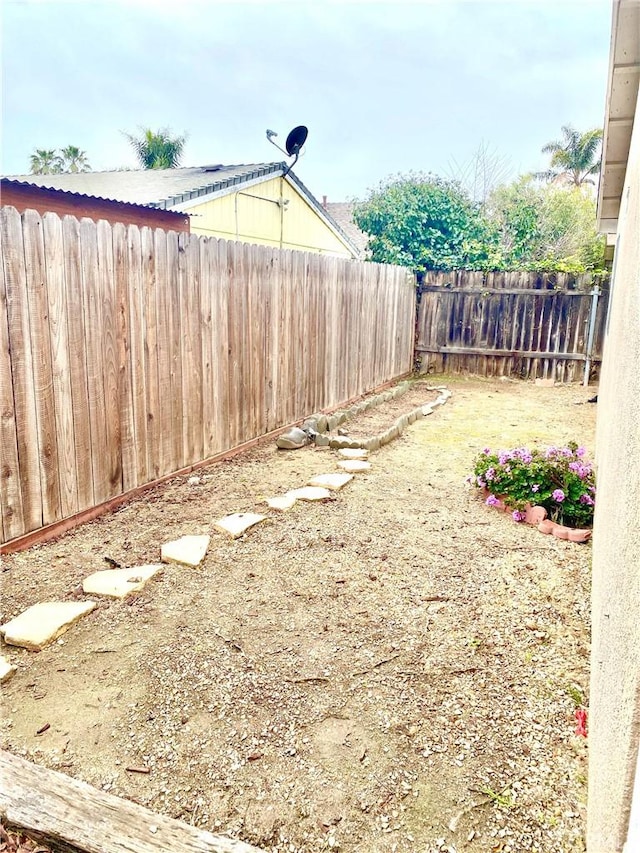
x: 318, y: 425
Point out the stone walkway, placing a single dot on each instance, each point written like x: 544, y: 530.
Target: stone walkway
x: 43, y: 623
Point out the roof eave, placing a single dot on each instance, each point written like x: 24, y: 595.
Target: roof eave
x: 622, y: 95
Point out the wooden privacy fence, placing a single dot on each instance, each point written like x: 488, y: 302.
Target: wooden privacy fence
x: 501, y: 324
x: 128, y: 354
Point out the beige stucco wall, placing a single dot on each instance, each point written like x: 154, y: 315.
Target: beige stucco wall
x: 614, y: 711
x: 253, y: 215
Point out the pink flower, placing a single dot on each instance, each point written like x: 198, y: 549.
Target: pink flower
x: 581, y: 722
x: 492, y: 500
x: 518, y: 516
x: 558, y: 495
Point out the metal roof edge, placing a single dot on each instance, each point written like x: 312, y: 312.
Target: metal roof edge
x: 71, y: 194
x: 217, y: 186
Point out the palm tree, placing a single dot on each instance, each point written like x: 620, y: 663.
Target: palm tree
x: 75, y: 160
x: 157, y: 150
x: 575, y: 157
x: 45, y: 162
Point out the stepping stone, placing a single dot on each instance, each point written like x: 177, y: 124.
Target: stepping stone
x: 354, y: 466
x: 353, y: 453
x: 335, y: 482
x: 6, y: 669
x: 310, y: 493
x: 238, y: 523
x: 43, y: 623
x: 119, y: 583
x: 281, y: 502
x: 187, y: 551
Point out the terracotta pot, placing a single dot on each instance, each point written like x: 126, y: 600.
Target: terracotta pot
x: 579, y: 535
x: 546, y: 526
x: 535, y: 514
x: 561, y: 532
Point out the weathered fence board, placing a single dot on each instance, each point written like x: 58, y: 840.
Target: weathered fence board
x: 127, y: 354
x: 512, y: 324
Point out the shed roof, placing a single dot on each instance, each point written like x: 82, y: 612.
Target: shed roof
x: 152, y: 187
x: 8, y: 185
x: 173, y: 189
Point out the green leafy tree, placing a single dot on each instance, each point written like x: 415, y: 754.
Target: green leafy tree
x: 157, y: 150
x: 425, y: 222
x: 575, y: 157
x: 74, y: 160
x: 46, y: 162
x: 546, y: 227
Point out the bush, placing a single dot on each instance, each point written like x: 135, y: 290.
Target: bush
x: 560, y: 479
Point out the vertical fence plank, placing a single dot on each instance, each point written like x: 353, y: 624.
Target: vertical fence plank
x: 150, y: 349
x: 174, y: 337
x: 36, y: 280
x: 272, y: 309
x: 13, y: 520
x: 108, y: 334
x: 221, y: 352
x: 137, y: 324
x: 234, y: 333
x: 163, y: 342
x: 78, y: 377
x: 207, y: 315
x: 92, y: 305
x: 128, y: 442
x: 60, y: 363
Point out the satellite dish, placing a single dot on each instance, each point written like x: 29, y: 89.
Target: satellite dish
x: 296, y: 140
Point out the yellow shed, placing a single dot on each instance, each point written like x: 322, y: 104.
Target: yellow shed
x: 255, y: 203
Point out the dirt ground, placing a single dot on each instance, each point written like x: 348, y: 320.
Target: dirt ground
x: 394, y: 670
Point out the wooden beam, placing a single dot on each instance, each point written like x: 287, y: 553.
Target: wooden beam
x: 506, y: 353
x: 74, y: 816
x: 500, y: 291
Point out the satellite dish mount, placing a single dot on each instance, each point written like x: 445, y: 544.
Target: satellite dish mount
x: 293, y: 145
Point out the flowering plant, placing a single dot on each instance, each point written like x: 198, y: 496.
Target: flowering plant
x: 559, y: 478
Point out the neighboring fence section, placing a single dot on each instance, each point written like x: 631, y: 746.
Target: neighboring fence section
x: 127, y: 354
x: 510, y: 324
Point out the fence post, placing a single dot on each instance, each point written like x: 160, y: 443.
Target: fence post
x: 591, y: 333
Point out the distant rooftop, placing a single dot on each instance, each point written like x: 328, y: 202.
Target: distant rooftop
x: 342, y: 213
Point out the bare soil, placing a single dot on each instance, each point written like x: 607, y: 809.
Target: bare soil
x: 394, y: 670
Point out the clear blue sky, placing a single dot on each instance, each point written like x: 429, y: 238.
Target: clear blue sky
x: 383, y: 87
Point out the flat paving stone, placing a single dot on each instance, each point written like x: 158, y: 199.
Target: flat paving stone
x: 353, y: 453
x: 281, y: 502
x: 119, y: 583
x: 43, y: 623
x: 6, y: 669
x: 238, y: 523
x: 354, y: 466
x: 310, y: 493
x: 187, y: 551
x: 335, y: 482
